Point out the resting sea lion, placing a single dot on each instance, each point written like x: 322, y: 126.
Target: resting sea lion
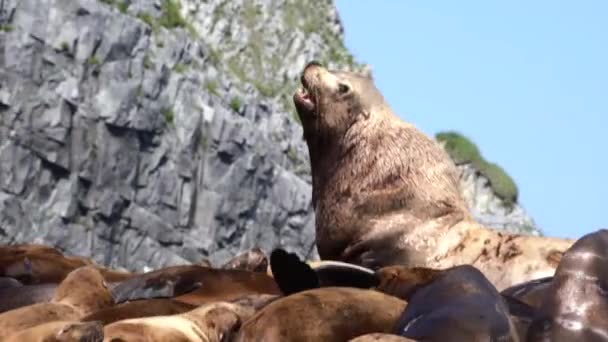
x: 39, y: 264
x: 326, y: 314
x: 213, y: 322
x: 386, y: 194
x: 61, y: 331
x: 82, y: 292
x: 458, y: 305
x: 196, y: 285
x: 139, y: 309
x: 575, y: 306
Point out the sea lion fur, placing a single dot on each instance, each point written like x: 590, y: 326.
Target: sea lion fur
x: 386, y: 194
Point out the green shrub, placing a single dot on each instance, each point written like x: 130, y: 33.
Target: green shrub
x: 235, y: 104
x: 7, y: 28
x: 123, y: 6
x: 502, y: 185
x: 212, y: 87
x: 93, y: 60
x: 460, y: 148
x: 292, y: 154
x: 169, y: 115
x: 65, y: 46
x: 179, y: 68
x: 463, y: 150
x: 172, y: 16
x: 146, y: 18
x: 148, y: 62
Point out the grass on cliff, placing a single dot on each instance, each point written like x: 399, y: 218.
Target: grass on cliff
x: 171, y: 17
x: 463, y: 150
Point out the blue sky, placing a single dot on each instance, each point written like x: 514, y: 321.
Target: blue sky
x: 527, y: 81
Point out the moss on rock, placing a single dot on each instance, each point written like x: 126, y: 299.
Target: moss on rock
x: 463, y: 150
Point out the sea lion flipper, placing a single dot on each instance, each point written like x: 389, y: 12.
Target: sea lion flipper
x: 518, y: 308
x: 150, y: 287
x: 9, y: 282
x: 290, y: 273
x: 338, y: 273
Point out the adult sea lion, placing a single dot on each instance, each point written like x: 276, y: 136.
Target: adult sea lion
x: 458, y: 305
x: 60, y: 331
x: 139, y: 309
x: 196, y: 285
x: 575, y: 306
x: 39, y: 264
x: 214, y: 322
x: 82, y: 292
x: 386, y: 194
x: 326, y: 314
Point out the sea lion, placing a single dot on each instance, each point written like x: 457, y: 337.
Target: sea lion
x: 575, y: 306
x: 82, y: 292
x: 212, y: 322
x: 38, y: 264
x: 458, y: 305
x: 253, y: 260
x: 139, y: 309
x: 326, y: 314
x: 386, y: 194
x: 60, y: 331
x: 530, y: 292
x: 294, y: 275
x: 379, y: 337
x: 196, y: 285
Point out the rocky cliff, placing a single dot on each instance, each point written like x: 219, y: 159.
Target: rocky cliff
x: 158, y: 132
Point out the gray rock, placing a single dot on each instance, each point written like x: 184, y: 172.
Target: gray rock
x: 143, y: 145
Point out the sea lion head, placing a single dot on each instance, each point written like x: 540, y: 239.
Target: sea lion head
x: 61, y: 331
x: 85, y: 289
x: 575, y: 306
x: 331, y: 101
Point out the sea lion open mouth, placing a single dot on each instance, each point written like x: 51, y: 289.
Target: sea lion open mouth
x: 305, y: 99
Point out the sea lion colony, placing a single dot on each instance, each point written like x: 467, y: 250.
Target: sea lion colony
x: 402, y: 259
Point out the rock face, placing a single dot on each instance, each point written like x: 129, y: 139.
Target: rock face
x: 153, y: 133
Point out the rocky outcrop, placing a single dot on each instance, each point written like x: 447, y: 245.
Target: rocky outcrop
x: 154, y: 132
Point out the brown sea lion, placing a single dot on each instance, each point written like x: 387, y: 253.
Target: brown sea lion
x: 326, y: 314
x: 139, y: 309
x: 253, y: 260
x: 379, y: 337
x: 460, y: 304
x: 214, y: 322
x: 82, y: 292
x: 386, y: 194
x: 198, y: 284
x: 60, y: 331
x: 39, y: 264
x: 575, y: 306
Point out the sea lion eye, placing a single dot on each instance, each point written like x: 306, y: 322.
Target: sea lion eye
x: 343, y: 88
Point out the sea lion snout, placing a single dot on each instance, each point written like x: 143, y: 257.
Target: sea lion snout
x: 83, y: 331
